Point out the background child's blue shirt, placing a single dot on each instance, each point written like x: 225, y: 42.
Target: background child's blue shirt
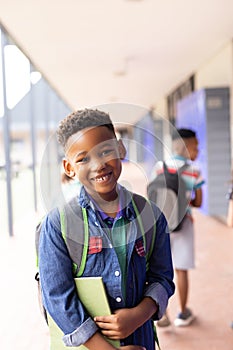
x: 58, y: 289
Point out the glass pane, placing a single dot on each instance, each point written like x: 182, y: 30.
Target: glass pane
x: 17, y: 68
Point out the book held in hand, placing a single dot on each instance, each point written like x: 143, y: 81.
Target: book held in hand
x: 92, y: 294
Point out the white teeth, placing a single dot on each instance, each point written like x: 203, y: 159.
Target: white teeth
x: 102, y: 178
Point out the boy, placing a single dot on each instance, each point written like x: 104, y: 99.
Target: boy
x: 93, y: 156
x: 185, y: 148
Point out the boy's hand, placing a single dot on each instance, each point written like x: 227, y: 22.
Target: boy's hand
x: 118, y: 325
x: 125, y: 321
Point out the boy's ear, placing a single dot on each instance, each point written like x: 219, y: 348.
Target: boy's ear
x: 122, y: 150
x: 68, y: 168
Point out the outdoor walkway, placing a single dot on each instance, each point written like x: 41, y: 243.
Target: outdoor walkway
x: 211, y: 298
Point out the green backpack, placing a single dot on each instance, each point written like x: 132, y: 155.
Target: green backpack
x: 69, y: 214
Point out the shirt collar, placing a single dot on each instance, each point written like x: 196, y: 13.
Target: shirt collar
x: 178, y: 157
x: 125, y: 203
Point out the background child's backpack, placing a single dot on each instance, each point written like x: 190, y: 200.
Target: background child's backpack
x: 168, y: 191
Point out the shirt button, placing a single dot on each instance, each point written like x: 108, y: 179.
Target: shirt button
x: 117, y: 273
x: 118, y: 299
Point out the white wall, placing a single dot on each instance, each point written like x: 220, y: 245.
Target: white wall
x: 218, y: 72
x: 160, y: 108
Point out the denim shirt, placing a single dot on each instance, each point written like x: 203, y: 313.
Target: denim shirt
x: 57, y: 281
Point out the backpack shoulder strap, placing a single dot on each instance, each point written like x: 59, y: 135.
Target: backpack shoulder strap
x: 73, y: 224
x: 165, y: 168
x: 182, y: 168
x: 147, y: 222
x: 74, y: 228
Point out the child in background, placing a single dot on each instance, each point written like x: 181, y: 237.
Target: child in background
x: 185, y: 150
x: 136, y: 295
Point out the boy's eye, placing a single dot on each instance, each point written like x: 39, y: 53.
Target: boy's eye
x: 107, y: 151
x: 82, y: 160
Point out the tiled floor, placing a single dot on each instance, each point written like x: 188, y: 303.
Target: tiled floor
x: 211, y: 296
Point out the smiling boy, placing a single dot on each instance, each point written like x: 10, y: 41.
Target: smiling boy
x: 136, y: 294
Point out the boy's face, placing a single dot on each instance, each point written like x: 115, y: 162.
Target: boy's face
x: 94, y: 156
x: 192, y: 148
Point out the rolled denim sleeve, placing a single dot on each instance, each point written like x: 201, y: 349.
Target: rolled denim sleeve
x: 160, y: 274
x: 58, y: 288
x: 159, y: 294
x: 81, y: 334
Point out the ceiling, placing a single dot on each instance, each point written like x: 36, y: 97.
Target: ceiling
x: 96, y: 52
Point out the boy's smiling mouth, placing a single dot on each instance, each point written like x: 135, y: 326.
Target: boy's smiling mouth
x: 102, y: 178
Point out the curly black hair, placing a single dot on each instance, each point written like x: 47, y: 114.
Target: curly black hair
x: 80, y: 120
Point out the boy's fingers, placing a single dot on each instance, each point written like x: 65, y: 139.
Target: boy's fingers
x: 105, y: 326
x: 105, y: 319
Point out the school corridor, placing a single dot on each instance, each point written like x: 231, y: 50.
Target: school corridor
x: 211, y: 298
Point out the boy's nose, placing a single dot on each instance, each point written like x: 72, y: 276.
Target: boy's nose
x: 98, y: 165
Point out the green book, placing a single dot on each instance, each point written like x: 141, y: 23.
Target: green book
x: 91, y: 292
